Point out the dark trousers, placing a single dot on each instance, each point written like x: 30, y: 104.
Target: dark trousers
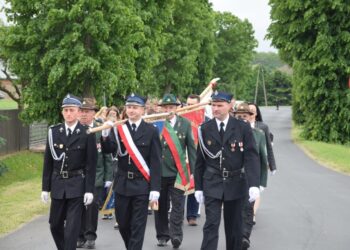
x: 247, y: 216
x: 170, y: 229
x: 65, y: 219
x: 89, y: 219
x: 192, y: 207
x: 232, y: 220
x: 131, y: 213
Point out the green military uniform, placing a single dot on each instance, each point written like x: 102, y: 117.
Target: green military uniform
x: 172, y: 229
x: 104, y: 168
x: 183, y: 130
x: 260, y: 140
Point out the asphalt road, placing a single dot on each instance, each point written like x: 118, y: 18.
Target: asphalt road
x: 306, y: 206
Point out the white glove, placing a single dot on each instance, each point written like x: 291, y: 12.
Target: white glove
x: 273, y: 172
x: 254, y: 193
x: 106, y: 132
x: 108, y: 184
x: 261, y: 188
x: 88, y: 197
x: 45, y: 196
x: 199, y: 196
x: 154, y: 195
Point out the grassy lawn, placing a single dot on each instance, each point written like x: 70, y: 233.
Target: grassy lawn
x: 20, y: 189
x: 334, y: 156
x: 8, y: 104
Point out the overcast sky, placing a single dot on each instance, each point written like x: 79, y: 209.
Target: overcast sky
x: 256, y: 11
x: 2, y: 15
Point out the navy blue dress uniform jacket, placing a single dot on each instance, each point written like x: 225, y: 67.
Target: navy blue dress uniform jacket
x: 146, y: 139
x: 208, y: 177
x: 81, y: 154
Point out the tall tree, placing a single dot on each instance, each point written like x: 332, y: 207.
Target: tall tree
x: 235, y: 47
x: 314, y: 38
x: 83, y: 47
x: 156, y: 16
x: 185, y: 40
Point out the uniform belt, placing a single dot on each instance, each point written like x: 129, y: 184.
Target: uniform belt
x: 225, y: 173
x: 69, y: 173
x: 129, y: 174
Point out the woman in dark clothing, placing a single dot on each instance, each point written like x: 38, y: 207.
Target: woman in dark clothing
x: 270, y: 155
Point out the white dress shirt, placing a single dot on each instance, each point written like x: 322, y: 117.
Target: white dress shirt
x: 70, y: 127
x: 136, y: 123
x: 224, y: 121
x: 172, y: 121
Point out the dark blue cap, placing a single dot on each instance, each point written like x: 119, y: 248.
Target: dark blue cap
x: 219, y: 96
x: 137, y: 100
x: 71, y: 100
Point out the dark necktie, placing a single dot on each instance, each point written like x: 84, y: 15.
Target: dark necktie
x: 69, y: 132
x: 133, y: 128
x: 222, y: 131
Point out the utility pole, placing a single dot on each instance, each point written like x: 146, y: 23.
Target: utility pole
x: 257, y: 85
x: 264, y: 87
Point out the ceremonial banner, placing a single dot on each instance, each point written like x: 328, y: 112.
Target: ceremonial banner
x: 108, y: 205
x: 196, y: 118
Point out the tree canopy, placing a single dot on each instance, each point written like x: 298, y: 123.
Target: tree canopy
x: 314, y: 38
x: 114, y: 47
x: 235, y: 46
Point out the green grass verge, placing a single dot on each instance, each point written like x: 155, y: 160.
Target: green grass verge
x: 20, y: 188
x: 8, y: 104
x: 334, y: 156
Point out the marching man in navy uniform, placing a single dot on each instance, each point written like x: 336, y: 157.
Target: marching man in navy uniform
x: 226, y: 164
x: 104, y: 178
x: 68, y: 174
x: 137, y: 182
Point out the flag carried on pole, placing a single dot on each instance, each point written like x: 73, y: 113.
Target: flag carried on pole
x: 108, y: 205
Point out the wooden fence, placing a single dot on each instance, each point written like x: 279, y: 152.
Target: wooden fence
x: 19, y: 136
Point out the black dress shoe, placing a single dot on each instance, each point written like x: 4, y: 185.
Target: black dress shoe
x: 176, y: 243
x: 245, y: 243
x: 90, y: 244
x: 161, y: 243
x: 80, y: 243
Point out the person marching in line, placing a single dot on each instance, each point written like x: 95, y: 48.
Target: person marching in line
x: 243, y: 112
x: 257, y: 122
x: 68, y: 174
x: 225, y: 166
x: 113, y: 115
x: 104, y: 178
x: 177, y: 139
x: 137, y: 181
x: 192, y: 204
